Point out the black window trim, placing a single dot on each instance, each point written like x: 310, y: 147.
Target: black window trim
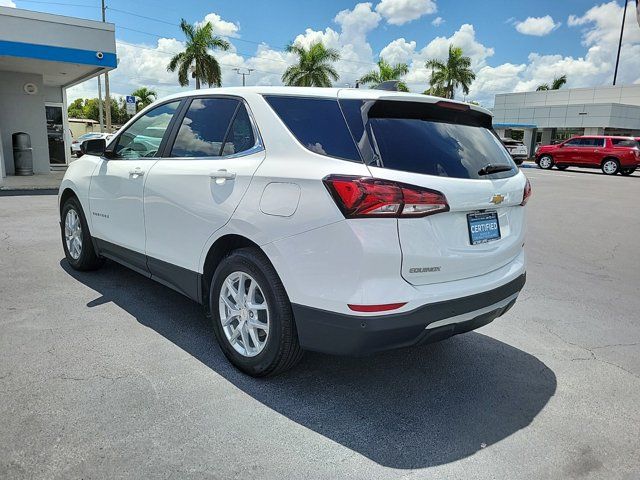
x: 257, y: 147
x: 110, y: 151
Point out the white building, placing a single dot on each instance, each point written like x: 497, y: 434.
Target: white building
x: 554, y: 115
x: 40, y: 56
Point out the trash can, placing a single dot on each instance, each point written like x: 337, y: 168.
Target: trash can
x: 22, y: 153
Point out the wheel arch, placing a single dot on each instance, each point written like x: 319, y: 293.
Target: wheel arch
x: 221, y: 248
x: 66, y: 194
x: 610, y: 157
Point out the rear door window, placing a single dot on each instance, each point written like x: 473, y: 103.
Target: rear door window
x: 425, y: 138
x: 204, y: 127
x: 317, y: 123
x: 624, y: 142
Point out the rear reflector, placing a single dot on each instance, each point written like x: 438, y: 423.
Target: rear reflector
x: 527, y: 193
x: 365, y: 197
x: 376, y: 308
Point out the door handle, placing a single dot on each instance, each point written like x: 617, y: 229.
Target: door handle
x: 222, y: 174
x: 136, y: 173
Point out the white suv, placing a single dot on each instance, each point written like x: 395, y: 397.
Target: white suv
x: 344, y: 221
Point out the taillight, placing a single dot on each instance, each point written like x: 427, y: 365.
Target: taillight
x: 365, y: 197
x: 527, y: 193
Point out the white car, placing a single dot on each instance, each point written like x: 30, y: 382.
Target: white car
x: 76, y: 143
x: 518, y: 150
x: 344, y: 221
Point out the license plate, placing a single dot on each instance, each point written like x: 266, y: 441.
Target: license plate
x: 483, y: 227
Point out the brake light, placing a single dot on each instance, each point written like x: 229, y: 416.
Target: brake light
x: 365, y: 197
x: 453, y: 105
x: 527, y: 193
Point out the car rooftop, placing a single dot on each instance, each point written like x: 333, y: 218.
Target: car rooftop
x: 321, y: 92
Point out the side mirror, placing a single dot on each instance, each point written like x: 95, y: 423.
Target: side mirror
x: 95, y: 146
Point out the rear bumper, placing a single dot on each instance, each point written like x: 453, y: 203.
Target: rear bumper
x: 340, y: 334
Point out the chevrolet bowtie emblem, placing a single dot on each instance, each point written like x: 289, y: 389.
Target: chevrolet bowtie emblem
x: 497, y: 199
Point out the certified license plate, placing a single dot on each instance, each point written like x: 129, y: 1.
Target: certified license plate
x: 483, y: 227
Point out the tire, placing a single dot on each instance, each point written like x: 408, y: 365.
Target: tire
x: 610, y: 166
x: 259, y: 351
x: 627, y: 171
x: 562, y: 167
x: 545, y: 162
x: 76, y: 239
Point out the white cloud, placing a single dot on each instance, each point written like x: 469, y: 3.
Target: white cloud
x: 145, y: 65
x: 537, y: 26
x: 399, y: 12
x: 7, y: 3
x: 436, y: 22
x: 221, y: 27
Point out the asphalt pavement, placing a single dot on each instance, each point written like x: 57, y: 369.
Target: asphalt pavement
x: 110, y: 375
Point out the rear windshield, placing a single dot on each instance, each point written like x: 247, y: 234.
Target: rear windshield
x: 624, y: 142
x: 428, y: 139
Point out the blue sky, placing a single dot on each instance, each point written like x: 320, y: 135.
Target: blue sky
x: 513, y: 45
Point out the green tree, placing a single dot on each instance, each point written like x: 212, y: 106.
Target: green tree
x: 314, y: 67
x: 75, y: 109
x: 144, y: 97
x: 557, y: 84
x: 196, y: 57
x: 385, y: 73
x: 454, y: 73
x: 436, y: 91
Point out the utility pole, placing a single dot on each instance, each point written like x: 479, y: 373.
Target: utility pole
x: 107, y: 99
x: 624, y: 17
x: 244, y: 74
x: 100, y: 114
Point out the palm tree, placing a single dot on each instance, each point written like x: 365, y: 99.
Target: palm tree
x: 436, y: 91
x: 454, y: 73
x: 385, y: 73
x: 196, y: 57
x: 144, y: 96
x: 557, y: 84
x: 314, y: 67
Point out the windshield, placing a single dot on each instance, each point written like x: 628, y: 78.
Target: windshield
x: 426, y: 138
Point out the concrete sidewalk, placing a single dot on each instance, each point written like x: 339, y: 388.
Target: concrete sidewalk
x: 32, y: 183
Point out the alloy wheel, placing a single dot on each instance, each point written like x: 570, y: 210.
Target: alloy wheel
x: 610, y: 167
x: 244, y: 314
x: 73, y: 234
x: 545, y: 162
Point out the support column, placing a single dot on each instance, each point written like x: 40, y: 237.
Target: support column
x: 529, y: 140
x: 547, y: 135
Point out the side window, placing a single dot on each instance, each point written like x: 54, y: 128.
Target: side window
x: 318, y: 124
x: 143, y: 137
x: 204, y: 127
x: 240, y: 136
x: 573, y: 143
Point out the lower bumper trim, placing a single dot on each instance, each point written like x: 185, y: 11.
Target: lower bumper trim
x: 340, y: 334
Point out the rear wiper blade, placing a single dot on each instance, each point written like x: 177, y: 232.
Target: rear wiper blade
x: 491, y: 168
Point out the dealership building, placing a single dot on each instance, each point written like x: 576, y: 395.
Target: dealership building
x: 41, y: 55
x: 554, y: 115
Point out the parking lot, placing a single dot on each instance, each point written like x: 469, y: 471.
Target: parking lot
x: 110, y: 375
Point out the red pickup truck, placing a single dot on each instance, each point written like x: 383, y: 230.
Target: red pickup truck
x: 611, y: 154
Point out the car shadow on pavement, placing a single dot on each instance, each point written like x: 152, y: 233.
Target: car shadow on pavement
x: 405, y: 409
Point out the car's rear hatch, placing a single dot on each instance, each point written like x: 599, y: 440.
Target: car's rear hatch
x: 444, y: 146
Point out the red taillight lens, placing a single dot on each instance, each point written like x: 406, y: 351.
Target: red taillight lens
x: 359, y: 197
x: 527, y: 193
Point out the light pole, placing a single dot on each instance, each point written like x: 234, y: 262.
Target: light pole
x: 624, y: 17
x: 244, y: 74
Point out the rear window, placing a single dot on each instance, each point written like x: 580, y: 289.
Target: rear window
x: 318, y: 124
x: 428, y: 139
x: 624, y: 142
